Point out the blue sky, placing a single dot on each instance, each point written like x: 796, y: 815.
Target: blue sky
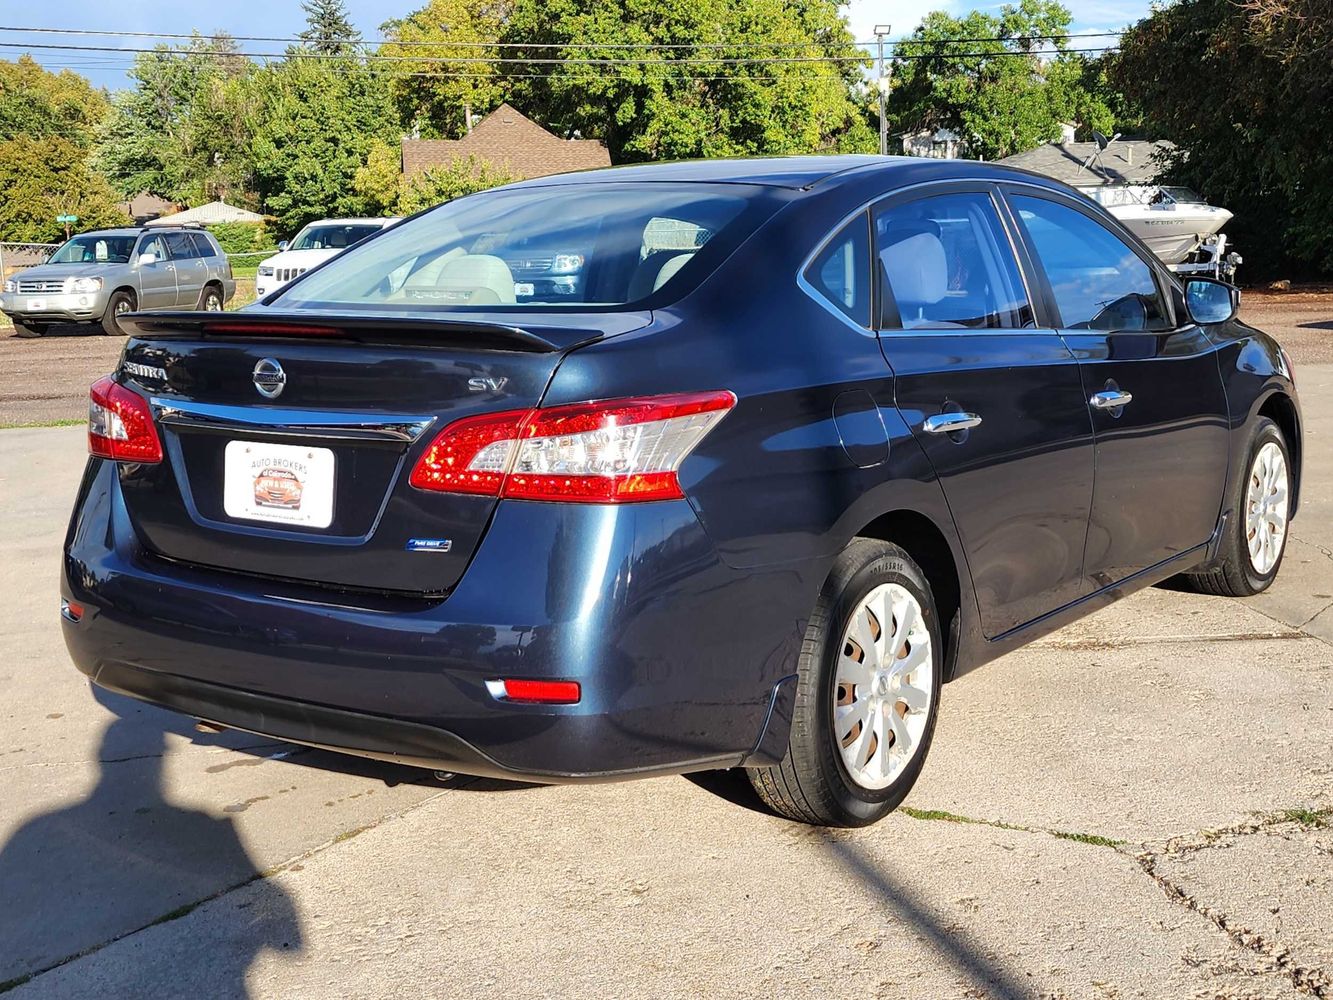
x: 284, y: 18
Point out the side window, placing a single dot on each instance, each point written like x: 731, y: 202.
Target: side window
x: 180, y: 245
x: 153, y: 245
x: 946, y: 264
x: 1099, y: 283
x: 203, y: 247
x: 840, y: 275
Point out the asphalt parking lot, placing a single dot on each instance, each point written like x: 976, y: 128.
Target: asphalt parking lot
x: 1140, y: 805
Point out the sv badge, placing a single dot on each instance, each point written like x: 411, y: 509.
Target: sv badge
x: 486, y: 384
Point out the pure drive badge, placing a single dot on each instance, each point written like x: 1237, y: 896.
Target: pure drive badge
x: 429, y: 544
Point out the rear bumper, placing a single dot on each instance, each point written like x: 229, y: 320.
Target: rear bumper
x: 679, y: 656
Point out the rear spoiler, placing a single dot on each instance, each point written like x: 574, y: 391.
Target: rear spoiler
x: 379, y: 328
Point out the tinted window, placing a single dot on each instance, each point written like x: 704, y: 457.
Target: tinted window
x: 946, y: 264
x: 1098, y: 281
x: 841, y: 272
x: 180, y: 245
x: 203, y: 247
x: 559, y: 245
x: 338, y: 236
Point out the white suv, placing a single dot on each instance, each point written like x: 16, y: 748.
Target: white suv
x: 314, y: 244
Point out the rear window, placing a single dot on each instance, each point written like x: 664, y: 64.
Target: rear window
x: 583, y: 246
x: 332, y: 237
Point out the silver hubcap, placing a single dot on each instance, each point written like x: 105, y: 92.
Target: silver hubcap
x: 884, y: 684
x: 122, y: 307
x: 212, y: 303
x: 1266, y: 508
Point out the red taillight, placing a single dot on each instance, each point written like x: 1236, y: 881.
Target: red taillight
x: 609, y: 451
x: 273, y: 329
x: 541, y: 692
x: 120, y: 424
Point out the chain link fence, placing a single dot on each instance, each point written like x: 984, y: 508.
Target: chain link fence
x: 18, y: 256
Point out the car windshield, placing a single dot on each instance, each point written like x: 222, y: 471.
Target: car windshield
x: 594, y: 245
x: 95, y: 249
x: 327, y: 237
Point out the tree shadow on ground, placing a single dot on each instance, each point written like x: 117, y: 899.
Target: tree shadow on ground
x: 122, y: 859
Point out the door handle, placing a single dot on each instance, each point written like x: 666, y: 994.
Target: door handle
x: 1111, y: 399
x: 950, y: 423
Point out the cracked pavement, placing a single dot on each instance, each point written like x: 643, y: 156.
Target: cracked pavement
x: 1137, y: 806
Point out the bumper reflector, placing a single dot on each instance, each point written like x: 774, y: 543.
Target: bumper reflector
x: 535, y: 692
x: 70, y: 611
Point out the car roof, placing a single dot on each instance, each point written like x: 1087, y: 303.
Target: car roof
x: 795, y: 172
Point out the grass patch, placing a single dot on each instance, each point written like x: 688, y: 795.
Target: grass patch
x: 70, y: 422
x: 941, y: 816
x: 1096, y: 840
x: 1306, y: 817
x: 176, y: 914
x: 13, y: 984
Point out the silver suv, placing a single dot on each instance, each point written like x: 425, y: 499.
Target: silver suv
x: 98, y: 277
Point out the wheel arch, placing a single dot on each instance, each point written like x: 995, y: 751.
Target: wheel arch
x: 928, y: 545
x: 1280, y: 408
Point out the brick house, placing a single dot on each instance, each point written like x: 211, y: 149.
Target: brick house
x: 511, y: 141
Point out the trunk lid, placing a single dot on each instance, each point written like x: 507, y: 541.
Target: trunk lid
x: 289, y: 438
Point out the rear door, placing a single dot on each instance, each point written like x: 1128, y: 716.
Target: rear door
x: 288, y: 453
x: 190, y: 270
x: 157, y: 281
x: 1153, y: 387
x: 995, y: 401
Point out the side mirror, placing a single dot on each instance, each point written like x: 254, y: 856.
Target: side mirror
x: 1211, y: 301
x: 282, y: 245
x: 147, y: 258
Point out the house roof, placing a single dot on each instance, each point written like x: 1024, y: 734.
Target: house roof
x: 207, y: 215
x: 1125, y: 161
x: 508, y: 139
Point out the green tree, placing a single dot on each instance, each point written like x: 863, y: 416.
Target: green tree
x: 43, y: 177
x: 180, y: 132
x: 378, y: 182
x: 329, y: 30
x: 748, y: 76
x: 440, y: 184
x: 318, y: 123
x: 1002, y: 82
x: 1244, y: 91
x: 438, y: 86
x: 37, y: 104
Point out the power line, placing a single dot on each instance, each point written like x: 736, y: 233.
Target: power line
x: 524, y: 61
x: 85, y: 32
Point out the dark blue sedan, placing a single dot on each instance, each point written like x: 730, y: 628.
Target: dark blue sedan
x: 799, y: 441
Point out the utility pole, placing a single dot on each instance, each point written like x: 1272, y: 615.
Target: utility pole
x: 883, y: 84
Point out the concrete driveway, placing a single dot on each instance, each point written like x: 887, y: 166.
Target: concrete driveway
x: 1139, y: 806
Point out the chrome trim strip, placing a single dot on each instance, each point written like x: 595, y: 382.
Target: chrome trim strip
x: 323, y: 424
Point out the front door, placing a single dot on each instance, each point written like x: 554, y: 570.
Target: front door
x: 1154, y: 391
x: 996, y: 402
x: 157, y: 281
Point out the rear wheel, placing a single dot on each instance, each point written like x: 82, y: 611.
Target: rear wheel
x: 1255, y: 535
x: 29, y: 329
x: 211, y: 299
x: 867, y: 695
x: 120, y: 303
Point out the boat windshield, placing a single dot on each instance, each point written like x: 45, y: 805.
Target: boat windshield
x: 1183, y: 196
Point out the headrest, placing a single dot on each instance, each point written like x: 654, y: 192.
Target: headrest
x: 477, y: 279
x: 656, y: 270
x: 916, y: 266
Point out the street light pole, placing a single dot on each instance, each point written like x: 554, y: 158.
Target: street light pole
x: 883, y: 85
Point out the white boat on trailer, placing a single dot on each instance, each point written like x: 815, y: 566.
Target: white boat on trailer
x: 1182, y: 229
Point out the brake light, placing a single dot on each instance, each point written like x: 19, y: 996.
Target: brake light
x: 120, y: 424
x: 608, y: 451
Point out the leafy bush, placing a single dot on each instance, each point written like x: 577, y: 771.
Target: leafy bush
x: 242, y: 237
x: 440, y: 184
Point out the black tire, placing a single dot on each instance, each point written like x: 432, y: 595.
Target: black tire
x: 28, y: 329
x: 121, y: 301
x: 1232, y: 574
x: 211, y: 294
x: 812, y: 784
